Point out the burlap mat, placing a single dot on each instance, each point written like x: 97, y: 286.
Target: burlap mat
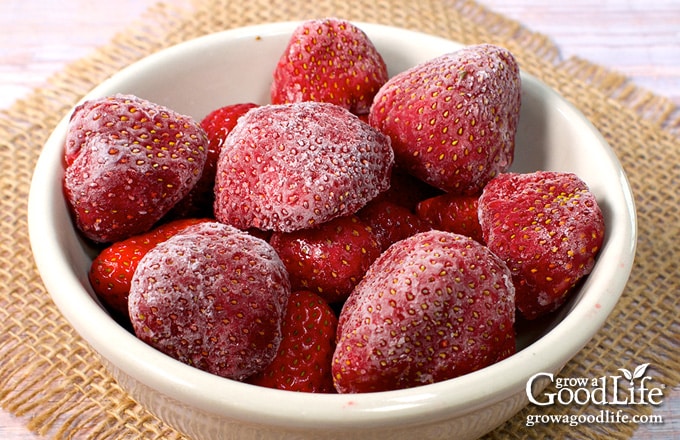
x: 49, y: 376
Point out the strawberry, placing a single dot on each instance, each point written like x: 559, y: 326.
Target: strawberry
x: 328, y: 259
x: 217, y: 125
x: 452, y: 120
x: 128, y: 162
x: 329, y: 60
x: 390, y: 222
x: 303, y: 362
x: 292, y: 166
x: 547, y: 226
x: 111, y: 271
x: 452, y: 213
x: 432, y: 307
x: 213, y: 297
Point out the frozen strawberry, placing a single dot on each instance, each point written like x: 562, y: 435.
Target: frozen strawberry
x: 213, y: 297
x: 452, y: 120
x: 328, y: 259
x: 292, y: 166
x: 303, y: 362
x: 548, y: 227
x: 329, y: 60
x: 432, y: 307
x: 452, y: 213
x: 391, y: 222
x: 128, y: 162
x: 217, y: 125
x: 111, y: 271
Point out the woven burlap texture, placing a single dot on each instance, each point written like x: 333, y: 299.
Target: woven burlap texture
x: 49, y: 376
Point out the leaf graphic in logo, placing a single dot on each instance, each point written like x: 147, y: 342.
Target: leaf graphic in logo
x: 640, y: 371
x: 627, y: 374
x: 636, y: 374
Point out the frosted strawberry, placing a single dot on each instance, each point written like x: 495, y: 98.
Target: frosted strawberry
x: 548, y: 227
x: 452, y: 213
x: 328, y: 259
x: 329, y: 60
x: 432, y: 307
x: 292, y: 166
x: 213, y: 297
x: 303, y: 362
x: 452, y: 120
x: 128, y: 162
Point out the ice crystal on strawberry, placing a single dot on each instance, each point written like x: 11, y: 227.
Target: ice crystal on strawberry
x: 112, y: 269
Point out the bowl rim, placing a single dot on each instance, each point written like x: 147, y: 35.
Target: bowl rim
x: 235, y: 400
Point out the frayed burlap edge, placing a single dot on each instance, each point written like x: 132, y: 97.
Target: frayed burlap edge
x: 49, y: 376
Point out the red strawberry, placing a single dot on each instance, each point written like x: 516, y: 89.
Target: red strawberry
x: 217, y: 125
x: 329, y: 60
x: 128, y: 162
x: 390, y: 222
x: 548, y: 228
x: 303, y: 362
x: 432, y: 307
x: 452, y: 213
x: 452, y: 120
x: 111, y: 271
x: 213, y: 297
x: 328, y: 259
x: 293, y: 166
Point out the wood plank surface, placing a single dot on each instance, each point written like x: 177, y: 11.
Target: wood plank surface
x: 638, y: 38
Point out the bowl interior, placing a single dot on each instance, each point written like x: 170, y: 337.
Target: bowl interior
x: 236, y: 66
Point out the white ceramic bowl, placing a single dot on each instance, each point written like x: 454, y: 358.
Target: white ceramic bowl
x: 236, y: 66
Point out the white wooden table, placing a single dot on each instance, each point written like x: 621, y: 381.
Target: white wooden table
x: 639, y: 38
